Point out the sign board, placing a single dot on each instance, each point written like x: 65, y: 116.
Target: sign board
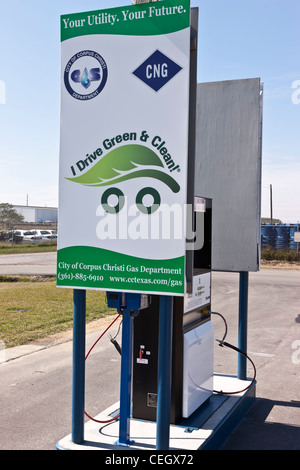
x: 200, y: 295
x: 228, y: 169
x: 123, y: 149
x: 297, y: 237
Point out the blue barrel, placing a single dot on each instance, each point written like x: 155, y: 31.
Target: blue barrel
x: 264, y: 236
x: 267, y: 236
x: 281, y: 236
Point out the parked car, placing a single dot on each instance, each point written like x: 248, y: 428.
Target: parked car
x: 18, y: 236
x: 46, y: 234
x: 31, y: 235
x: 4, y: 236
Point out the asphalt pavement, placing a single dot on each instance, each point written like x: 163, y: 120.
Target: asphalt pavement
x: 273, y: 423
x: 36, y: 383
x: 28, y: 264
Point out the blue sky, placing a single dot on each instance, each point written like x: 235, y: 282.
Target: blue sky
x: 237, y: 39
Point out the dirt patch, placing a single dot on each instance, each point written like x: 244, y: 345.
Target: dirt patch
x: 274, y: 264
x: 67, y: 335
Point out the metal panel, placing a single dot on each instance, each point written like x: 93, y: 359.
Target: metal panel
x: 228, y: 169
x: 198, y: 367
x: 46, y: 214
x: 27, y: 212
x: 189, y: 265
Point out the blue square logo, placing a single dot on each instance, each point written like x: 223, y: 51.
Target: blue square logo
x: 157, y: 70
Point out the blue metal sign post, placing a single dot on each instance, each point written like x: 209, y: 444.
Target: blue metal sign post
x: 243, y: 322
x: 126, y: 377
x: 78, y: 378
x: 164, y: 372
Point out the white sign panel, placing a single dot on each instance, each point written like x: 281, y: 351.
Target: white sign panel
x: 297, y: 237
x: 123, y: 153
x: 201, y: 293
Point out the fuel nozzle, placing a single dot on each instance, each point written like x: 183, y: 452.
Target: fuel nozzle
x: 116, y: 344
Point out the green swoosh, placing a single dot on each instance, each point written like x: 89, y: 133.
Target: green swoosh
x: 159, y: 175
x: 125, y: 158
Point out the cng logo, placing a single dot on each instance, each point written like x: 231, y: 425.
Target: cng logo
x: 157, y: 70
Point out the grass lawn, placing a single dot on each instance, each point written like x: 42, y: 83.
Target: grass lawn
x: 30, y: 310
x: 12, y: 249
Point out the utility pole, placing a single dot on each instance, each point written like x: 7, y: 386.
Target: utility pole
x: 271, y: 205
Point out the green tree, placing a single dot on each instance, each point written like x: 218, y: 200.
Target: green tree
x: 9, y: 216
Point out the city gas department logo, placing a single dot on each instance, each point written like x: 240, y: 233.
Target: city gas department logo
x: 85, y: 75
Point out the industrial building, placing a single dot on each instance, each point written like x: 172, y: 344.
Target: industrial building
x: 36, y: 214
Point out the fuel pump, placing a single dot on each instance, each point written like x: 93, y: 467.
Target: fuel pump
x: 192, y: 342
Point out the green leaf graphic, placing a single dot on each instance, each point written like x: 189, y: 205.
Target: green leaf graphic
x: 126, y: 158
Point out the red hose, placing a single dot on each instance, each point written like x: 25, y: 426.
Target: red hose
x: 87, y: 355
